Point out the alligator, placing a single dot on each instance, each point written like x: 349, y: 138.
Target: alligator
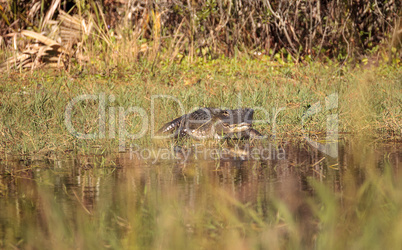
x: 213, y: 123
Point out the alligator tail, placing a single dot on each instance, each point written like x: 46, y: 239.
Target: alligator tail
x: 171, y: 126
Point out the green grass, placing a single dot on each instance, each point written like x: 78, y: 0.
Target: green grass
x: 32, y: 105
x: 53, y: 204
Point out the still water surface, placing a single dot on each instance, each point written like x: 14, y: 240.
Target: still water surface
x: 121, y: 201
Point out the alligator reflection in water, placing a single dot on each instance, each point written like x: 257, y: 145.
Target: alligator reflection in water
x: 210, y: 151
x: 38, y: 195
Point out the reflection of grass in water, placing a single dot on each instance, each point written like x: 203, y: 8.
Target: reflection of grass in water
x: 32, y: 111
x: 165, y: 207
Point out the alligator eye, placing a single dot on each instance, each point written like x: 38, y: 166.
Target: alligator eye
x: 225, y: 113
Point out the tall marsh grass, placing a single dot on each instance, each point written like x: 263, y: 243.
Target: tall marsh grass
x: 66, y: 34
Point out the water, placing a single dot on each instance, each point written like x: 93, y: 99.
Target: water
x: 122, y: 201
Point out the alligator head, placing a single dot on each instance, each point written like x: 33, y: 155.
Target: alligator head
x: 233, y: 121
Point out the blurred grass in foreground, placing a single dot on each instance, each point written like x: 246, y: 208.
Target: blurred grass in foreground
x: 251, y: 205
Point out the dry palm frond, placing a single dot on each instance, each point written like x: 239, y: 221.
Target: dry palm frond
x: 55, y: 4
x: 37, y: 36
x: 18, y: 60
x: 44, y: 50
x: 72, y: 28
